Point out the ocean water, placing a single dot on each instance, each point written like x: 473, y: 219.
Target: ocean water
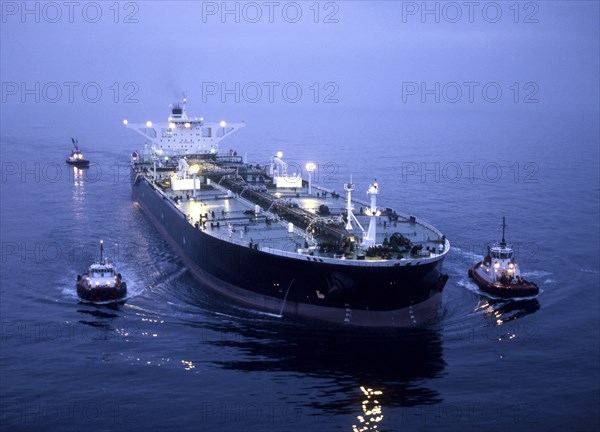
x: 172, y: 357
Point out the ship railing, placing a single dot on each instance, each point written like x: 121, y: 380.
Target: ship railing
x: 368, y: 205
x: 404, y: 216
x: 168, y: 199
x: 430, y: 227
x: 362, y: 202
x: 266, y: 246
x: 321, y: 188
x: 235, y: 238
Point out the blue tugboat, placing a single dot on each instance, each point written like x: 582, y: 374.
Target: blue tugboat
x: 101, y: 283
x: 278, y: 243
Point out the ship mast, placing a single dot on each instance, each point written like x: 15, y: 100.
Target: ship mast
x: 503, y: 242
x: 349, y: 187
x: 372, y: 212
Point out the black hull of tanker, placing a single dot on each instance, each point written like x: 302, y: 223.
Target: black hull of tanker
x: 357, y: 295
x: 102, y: 294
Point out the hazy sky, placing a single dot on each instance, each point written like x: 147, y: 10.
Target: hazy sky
x: 361, y: 54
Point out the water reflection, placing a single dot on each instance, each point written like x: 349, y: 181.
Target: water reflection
x: 104, y: 315
x: 78, y: 191
x: 504, y: 311
x: 389, y: 367
x: 372, y: 411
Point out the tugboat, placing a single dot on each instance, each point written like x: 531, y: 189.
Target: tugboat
x: 76, y: 159
x: 499, y: 276
x: 101, y: 283
x: 277, y: 242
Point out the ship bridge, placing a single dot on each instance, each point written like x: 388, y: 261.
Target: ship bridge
x: 181, y: 135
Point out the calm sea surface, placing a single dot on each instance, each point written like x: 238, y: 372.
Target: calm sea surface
x: 174, y: 358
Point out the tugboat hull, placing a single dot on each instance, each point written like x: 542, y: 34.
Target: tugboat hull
x: 79, y: 163
x: 505, y: 291
x: 102, y: 294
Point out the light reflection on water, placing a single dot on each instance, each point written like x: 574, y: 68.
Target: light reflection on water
x: 504, y: 311
x: 397, y: 363
x: 372, y: 412
x: 78, y: 192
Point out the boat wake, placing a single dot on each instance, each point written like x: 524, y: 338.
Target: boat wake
x: 254, y: 313
x: 167, y: 280
x: 536, y: 274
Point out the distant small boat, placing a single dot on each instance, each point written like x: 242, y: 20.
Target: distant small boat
x: 101, y: 282
x: 498, y: 275
x: 76, y: 158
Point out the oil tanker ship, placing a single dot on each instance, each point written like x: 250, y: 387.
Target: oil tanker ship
x: 278, y: 243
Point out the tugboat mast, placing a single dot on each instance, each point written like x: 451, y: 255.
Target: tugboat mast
x: 503, y: 242
x: 101, y: 251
